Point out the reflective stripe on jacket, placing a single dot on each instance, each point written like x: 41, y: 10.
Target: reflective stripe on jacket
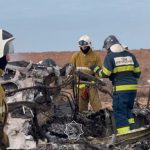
x: 122, y: 69
x: 83, y: 62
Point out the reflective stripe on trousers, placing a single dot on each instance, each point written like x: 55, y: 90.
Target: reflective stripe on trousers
x: 131, y: 120
x: 125, y: 87
x: 123, y: 130
x: 122, y: 108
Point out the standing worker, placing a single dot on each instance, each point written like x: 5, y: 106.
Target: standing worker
x: 122, y: 68
x: 5, y: 48
x: 81, y: 61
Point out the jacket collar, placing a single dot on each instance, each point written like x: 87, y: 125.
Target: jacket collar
x: 117, y: 48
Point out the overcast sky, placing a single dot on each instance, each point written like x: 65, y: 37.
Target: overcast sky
x: 56, y: 25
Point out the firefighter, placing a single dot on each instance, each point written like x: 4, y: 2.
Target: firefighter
x: 82, y: 60
x: 5, y: 48
x: 122, y: 68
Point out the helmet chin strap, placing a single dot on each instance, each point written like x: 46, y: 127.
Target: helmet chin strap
x: 85, y: 50
x: 108, y: 51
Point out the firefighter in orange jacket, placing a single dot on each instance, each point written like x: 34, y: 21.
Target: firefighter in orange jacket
x: 5, y: 48
x: 82, y: 60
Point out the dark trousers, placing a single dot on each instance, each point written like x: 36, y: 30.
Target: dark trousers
x: 122, y: 107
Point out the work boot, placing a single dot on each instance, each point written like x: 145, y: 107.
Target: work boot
x: 112, y: 142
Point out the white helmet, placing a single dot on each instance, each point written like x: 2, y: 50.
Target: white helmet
x: 6, y: 45
x: 85, y: 40
x: 125, y: 46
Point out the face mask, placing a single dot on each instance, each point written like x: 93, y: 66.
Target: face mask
x: 3, y: 62
x: 85, y: 50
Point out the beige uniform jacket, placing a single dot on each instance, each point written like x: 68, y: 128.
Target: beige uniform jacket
x: 3, y: 108
x: 82, y: 62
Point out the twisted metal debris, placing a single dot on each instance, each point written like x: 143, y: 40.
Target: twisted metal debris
x: 49, y: 106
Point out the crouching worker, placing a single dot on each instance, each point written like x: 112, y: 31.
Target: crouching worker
x: 5, y: 48
x: 122, y: 68
x: 81, y: 61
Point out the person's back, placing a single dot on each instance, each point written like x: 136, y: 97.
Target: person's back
x: 122, y: 68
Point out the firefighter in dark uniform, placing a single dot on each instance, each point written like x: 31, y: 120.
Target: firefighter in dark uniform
x: 122, y: 68
x: 5, y: 48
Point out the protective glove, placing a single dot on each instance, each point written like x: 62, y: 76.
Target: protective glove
x: 95, y: 68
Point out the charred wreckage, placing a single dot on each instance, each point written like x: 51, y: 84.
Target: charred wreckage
x: 43, y: 111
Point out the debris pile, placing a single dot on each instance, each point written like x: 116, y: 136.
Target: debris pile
x: 43, y: 114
